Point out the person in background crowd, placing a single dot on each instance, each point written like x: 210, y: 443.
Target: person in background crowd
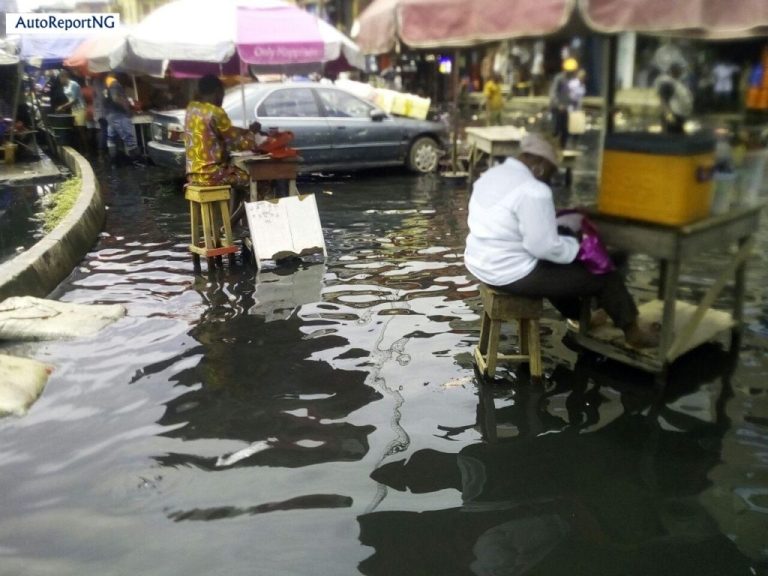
x: 100, y: 124
x: 90, y: 123
x: 723, y: 74
x: 75, y: 105
x: 560, y: 99
x: 209, y: 137
x: 51, y: 91
x: 675, y: 98
x: 120, y: 128
x: 577, y: 89
x: 494, y: 100
x: 514, y: 245
x: 537, y: 68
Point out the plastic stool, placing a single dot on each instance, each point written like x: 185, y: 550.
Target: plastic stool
x: 205, y: 202
x: 501, y: 307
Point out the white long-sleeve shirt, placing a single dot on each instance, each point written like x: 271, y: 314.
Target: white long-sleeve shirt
x: 512, y: 226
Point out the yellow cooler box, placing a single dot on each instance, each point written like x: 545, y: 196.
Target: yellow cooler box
x: 664, y: 178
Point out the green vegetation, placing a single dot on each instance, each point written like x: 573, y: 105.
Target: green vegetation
x: 61, y: 203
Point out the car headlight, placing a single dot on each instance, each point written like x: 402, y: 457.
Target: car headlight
x: 156, y: 131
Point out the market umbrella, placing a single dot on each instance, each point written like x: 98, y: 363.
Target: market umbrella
x: 270, y: 35
x: 47, y: 51
x: 110, y: 51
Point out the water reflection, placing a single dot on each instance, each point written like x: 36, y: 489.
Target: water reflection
x: 593, y: 474
x: 21, y: 209
x: 278, y: 294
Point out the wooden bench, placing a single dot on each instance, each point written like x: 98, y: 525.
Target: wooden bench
x: 501, y: 307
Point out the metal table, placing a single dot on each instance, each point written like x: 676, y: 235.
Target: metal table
x: 683, y: 326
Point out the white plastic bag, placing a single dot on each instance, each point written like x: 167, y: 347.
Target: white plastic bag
x: 577, y: 122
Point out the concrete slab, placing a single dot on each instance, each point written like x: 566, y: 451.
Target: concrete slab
x: 29, y: 171
x: 39, y: 269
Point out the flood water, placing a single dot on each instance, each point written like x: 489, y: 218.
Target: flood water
x: 21, y: 216
x: 326, y: 419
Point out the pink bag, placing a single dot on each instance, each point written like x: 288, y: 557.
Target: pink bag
x: 592, y: 252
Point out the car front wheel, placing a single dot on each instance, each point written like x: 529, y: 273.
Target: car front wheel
x: 424, y: 155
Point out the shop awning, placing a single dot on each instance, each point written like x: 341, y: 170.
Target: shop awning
x: 457, y: 23
x: 715, y: 19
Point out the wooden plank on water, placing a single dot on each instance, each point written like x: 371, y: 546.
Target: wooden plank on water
x: 609, y: 340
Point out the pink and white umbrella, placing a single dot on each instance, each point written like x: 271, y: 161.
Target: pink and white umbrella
x: 267, y: 34
x: 110, y: 51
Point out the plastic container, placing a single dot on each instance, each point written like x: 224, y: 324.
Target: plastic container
x: 9, y: 152
x: 663, y: 178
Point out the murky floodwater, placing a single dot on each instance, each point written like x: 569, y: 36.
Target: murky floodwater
x: 21, y: 216
x: 326, y: 419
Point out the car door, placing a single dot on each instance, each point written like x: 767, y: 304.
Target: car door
x: 358, y: 138
x: 295, y: 109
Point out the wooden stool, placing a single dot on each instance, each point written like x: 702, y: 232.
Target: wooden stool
x: 499, y: 307
x: 203, y: 204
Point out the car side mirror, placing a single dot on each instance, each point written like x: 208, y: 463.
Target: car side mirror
x: 378, y: 115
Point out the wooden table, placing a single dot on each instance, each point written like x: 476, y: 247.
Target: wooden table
x: 493, y: 141
x: 683, y: 325
x: 503, y: 141
x: 261, y: 167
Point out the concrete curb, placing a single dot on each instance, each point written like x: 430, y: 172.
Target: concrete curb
x: 37, y: 271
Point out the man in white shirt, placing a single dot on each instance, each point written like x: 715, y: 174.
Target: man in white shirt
x: 514, y: 245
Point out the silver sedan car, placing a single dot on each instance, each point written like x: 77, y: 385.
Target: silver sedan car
x: 334, y: 130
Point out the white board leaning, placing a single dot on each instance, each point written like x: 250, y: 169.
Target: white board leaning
x: 285, y: 227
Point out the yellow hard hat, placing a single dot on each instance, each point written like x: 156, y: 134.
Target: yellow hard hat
x: 570, y: 65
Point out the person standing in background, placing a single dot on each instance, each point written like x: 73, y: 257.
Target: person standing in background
x: 90, y: 123
x: 75, y: 105
x: 494, y: 100
x: 723, y: 85
x: 537, y: 68
x: 560, y: 100
x: 577, y: 89
x: 99, y: 114
x: 120, y: 128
